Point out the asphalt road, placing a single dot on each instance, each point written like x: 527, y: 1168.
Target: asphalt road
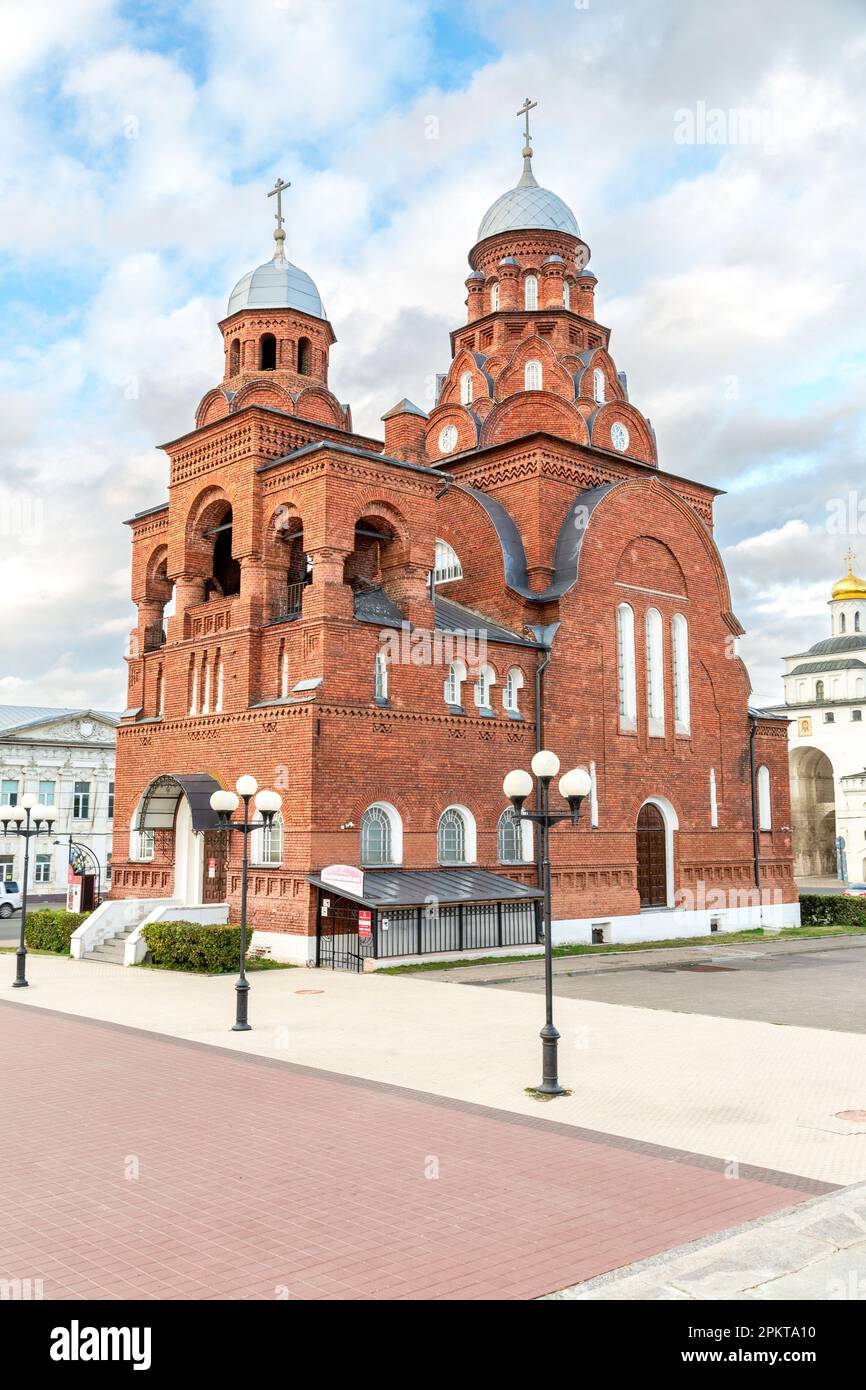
x: 823, y: 986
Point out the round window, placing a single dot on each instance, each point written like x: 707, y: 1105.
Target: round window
x: 448, y: 439
x: 619, y: 436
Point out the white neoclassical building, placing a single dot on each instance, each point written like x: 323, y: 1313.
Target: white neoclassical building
x: 64, y: 757
x: 825, y: 700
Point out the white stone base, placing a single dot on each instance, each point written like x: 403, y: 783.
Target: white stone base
x: 285, y: 946
x: 663, y: 924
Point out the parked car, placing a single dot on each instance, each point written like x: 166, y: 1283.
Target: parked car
x: 855, y: 890
x: 10, y: 897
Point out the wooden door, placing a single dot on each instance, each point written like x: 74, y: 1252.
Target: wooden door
x: 652, y: 872
x: 214, y: 868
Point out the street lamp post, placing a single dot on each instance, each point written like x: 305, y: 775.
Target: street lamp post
x: 225, y: 803
x: 16, y: 820
x: 573, y: 786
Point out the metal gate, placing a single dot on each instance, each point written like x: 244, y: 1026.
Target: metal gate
x: 338, y: 945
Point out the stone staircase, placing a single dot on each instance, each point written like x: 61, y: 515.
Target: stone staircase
x: 111, y: 950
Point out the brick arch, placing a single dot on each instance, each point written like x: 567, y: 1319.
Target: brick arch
x: 528, y: 411
x: 647, y: 560
x: 283, y: 520
x: 157, y: 585
x: 205, y: 511
x: 317, y: 403
x: 379, y: 509
x: 555, y: 378
x: 268, y: 392
x: 482, y: 382
x: 451, y: 414
x: 213, y: 406
x: 599, y: 357
x: 641, y: 444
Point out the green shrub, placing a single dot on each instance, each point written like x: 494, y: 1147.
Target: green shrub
x: 203, y: 946
x: 832, y: 910
x: 50, y: 929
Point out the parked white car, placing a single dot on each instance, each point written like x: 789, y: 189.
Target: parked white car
x: 10, y: 897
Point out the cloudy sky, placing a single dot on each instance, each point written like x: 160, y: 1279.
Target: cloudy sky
x: 713, y: 154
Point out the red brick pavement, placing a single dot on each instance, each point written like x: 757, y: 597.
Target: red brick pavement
x: 260, y: 1179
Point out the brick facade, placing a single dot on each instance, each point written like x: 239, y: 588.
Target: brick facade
x: 290, y: 543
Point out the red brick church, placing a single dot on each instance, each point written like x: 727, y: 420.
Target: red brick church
x: 381, y: 630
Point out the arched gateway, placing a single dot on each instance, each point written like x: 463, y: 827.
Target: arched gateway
x: 178, y: 805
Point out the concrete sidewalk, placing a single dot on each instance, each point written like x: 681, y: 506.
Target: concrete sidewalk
x: 815, y: 1251
x: 740, y: 1092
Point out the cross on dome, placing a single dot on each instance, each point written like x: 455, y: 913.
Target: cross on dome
x: 279, y: 232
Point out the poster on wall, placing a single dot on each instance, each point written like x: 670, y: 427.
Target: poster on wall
x: 73, y: 889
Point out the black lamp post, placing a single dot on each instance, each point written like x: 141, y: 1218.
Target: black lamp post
x: 225, y: 804
x: 574, y: 786
x: 26, y: 819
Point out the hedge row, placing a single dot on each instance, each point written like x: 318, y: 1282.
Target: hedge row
x: 832, y: 910
x: 194, y: 945
x: 50, y: 929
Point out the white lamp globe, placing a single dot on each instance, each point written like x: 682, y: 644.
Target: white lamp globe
x: 268, y: 801
x: 246, y: 786
x: 517, y: 784
x: 223, y: 801
x: 28, y: 801
x: 18, y: 814
x: 577, y: 782
x: 49, y: 813
x: 545, y: 764
x: 6, y: 811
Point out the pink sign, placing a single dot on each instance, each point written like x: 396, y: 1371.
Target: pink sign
x: 345, y: 878
x: 365, y: 922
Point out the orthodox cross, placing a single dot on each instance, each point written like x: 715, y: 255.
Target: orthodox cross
x: 278, y: 189
x: 524, y: 111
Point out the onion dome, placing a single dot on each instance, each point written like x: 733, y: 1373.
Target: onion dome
x: 528, y: 206
x: 851, y: 586
x: 277, y: 284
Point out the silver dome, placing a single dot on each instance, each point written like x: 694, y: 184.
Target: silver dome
x: 276, y: 285
x: 528, y: 206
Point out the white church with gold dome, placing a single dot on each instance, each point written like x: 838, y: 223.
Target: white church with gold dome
x: 825, y: 700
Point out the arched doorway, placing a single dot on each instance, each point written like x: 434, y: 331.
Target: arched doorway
x: 813, y: 814
x: 652, y: 857
x: 179, y: 806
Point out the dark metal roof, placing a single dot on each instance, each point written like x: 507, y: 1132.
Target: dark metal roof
x: 375, y: 606
x: 810, y: 668
x: 838, y: 644
x: 159, y: 803
x: 405, y: 888
x: 453, y: 617
x: 333, y: 447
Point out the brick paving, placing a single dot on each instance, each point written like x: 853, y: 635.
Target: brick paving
x: 140, y: 1166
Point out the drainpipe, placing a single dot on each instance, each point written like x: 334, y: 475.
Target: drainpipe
x: 756, y: 843
x: 544, y: 636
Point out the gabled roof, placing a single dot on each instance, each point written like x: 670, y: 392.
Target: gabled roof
x: 453, y: 617
x: 16, y: 718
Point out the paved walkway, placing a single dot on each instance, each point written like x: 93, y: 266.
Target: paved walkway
x: 816, y: 1251
x: 736, y: 1090
x: 145, y: 1167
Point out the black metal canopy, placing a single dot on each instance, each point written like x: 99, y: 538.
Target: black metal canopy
x: 405, y: 888
x: 159, y: 804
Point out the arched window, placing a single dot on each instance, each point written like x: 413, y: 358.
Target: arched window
x: 456, y: 836
x: 682, y: 702
x: 515, y: 844
x: 484, y: 683
x: 819, y: 690
x: 267, y: 352
x: 626, y: 666
x: 532, y: 375
x: 160, y: 694
x: 655, y: 673
x: 192, y: 686
x: 375, y: 837
x: 530, y: 292
x: 765, y: 809
x: 205, y: 685
x: 513, y: 687
x: 380, y: 677
x: 714, y: 804
x: 494, y: 296
x: 267, y: 844
x: 598, y: 386
x: 235, y: 357
x: 466, y: 388
x: 305, y: 357
x: 447, y: 564
x: 841, y: 622
x: 453, y: 689
x: 566, y: 295
x: 218, y: 682
x: 857, y: 621
x: 282, y: 671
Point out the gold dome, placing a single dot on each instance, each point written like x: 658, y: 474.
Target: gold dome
x: 852, y: 586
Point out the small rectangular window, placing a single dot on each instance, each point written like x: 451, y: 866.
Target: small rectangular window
x: 47, y: 793
x: 6, y: 868
x: 857, y: 715
x: 9, y: 791
x: 829, y: 717
x: 81, y: 801
x: 110, y: 800
x: 43, y: 868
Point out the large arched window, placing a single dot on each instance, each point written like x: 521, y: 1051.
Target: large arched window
x: 453, y: 689
x: 530, y: 292
x: 484, y: 683
x: 511, y: 692
x: 532, y: 377
x: 626, y: 667
x: 305, y: 357
x: 514, y: 838
x: 465, y: 388
x: 267, y: 844
x: 494, y: 296
x: 682, y: 699
x: 447, y: 563
x: 598, y: 386
x: 267, y: 352
x: 655, y: 673
x: 380, y: 677
x: 456, y: 836
x: 765, y: 807
x: 381, y: 835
